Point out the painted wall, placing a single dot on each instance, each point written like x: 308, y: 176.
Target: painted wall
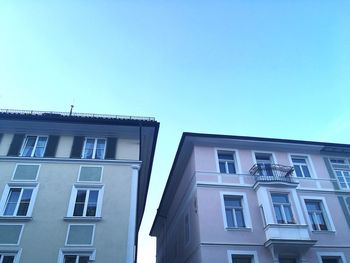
x: 48, y: 226
x: 171, y: 243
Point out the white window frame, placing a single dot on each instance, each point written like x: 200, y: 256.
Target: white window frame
x: 35, y: 145
x: 346, y: 163
x: 273, y: 157
x: 81, y: 245
x: 37, y: 174
x: 75, y: 188
x: 325, y: 210
x: 78, y: 252
x: 236, y: 159
x: 253, y: 253
x: 19, y: 237
x: 246, y: 213
x: 282, y: 210
x: 81, y: 166
x: 94, y: 149
x: 331, y: 254
x: 12, y: 252
x: 309, y: 164
x: 6, y: 192
x: 273, y: 161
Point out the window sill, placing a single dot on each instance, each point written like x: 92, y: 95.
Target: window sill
x: 82, y: 218
x: 16, y: 218
x: 327, y: 232
x: 238, y: 229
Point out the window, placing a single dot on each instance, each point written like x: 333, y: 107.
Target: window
x: 7, y: 258
x: 68, y: 255
x: 26, y: 172
x: 85, y: 202
x: 80, y: 235
x: 301, y: 166
x: 342, y: 171
x: 264, y: 162
x: 17, y: 201
x: 282, y: 208
x: 242, y: 259
x: 316, y: 214
x: 90, y: 174
x: 331, y: 260
x: 34, y: 146
x: 226, y: 162
x: 94, y: 148
x: 10, y: 234
x: 343, y: 178
x: 234, y: 211
x: 76, y: 259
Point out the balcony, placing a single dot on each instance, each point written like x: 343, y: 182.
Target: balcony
x: 273, y: 173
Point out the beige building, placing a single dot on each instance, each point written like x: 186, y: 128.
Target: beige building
x: 73, y: 187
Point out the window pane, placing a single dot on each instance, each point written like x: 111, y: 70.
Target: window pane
x: 231, y: 168
x: 229, y: 218
x: 69, y: 259
x: 84, y: 259
x: 289, y: 215
x: 241, y: 259
x: 232, y: 202
x: 278, y: 213
x: 225, y: 156
x: 306, y: 171
x: 299, y: 160
x: 100, y: 148
x: 321, y: 222
x: 280, y: 198
x: 12, y: 201
x: 29, y: 146
x: 24, y: 204
x: 40, y: 147
x: 298, y: 171
x: 222, y: 167
x: 92, y: 203
x: 8, y: 259
x: 79, y: 203
x: 313, y: 222
x: 89, y: 147
x: 330, y: 260
x: 239, y: 218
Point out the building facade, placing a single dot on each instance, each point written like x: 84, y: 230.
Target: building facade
x: 239, y: 199
x: 73, y: 186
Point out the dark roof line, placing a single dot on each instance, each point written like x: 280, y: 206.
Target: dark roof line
x: 76, y: 117
x: 264, y: 139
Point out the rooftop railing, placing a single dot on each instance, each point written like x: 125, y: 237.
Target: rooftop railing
x: 76, y: 114
x: 272, y: 173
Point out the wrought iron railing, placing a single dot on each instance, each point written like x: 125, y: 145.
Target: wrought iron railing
x: 76, y: 114
x: 272, y: 173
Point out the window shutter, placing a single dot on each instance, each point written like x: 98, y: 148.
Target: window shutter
x: 51, y: 146
x: 16, y: 145
x: 111, y: 148
x: 77, y: 147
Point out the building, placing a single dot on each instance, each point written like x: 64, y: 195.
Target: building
x: 239, y: 199
x: 73, y: 186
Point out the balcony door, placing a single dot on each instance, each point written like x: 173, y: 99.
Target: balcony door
x: 264, y: 162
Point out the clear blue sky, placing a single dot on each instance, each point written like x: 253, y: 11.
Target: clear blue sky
x: 262, y: 68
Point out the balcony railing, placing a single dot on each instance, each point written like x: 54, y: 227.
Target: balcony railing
x: 272, y: 173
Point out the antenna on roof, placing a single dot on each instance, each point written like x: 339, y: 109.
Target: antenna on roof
x: 71, y: 110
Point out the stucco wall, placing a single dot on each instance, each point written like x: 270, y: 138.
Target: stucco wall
x: 45, y: 234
